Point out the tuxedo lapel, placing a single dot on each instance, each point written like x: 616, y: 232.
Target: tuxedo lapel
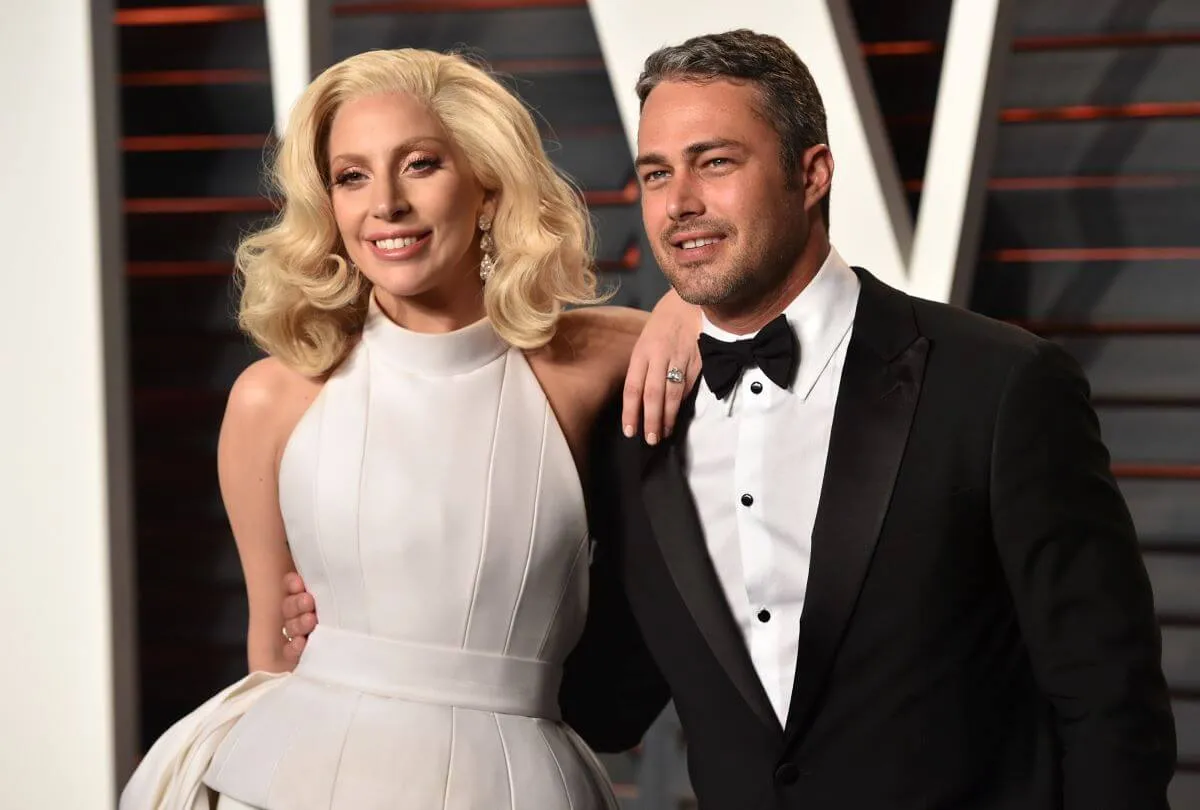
x: 880, y: 384
x: 672, y: 513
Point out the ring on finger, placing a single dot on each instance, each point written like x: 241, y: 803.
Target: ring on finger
x: 675, y: 375
x: 288, y: 636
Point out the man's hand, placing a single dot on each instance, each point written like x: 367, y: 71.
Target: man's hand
x: 299, y: 616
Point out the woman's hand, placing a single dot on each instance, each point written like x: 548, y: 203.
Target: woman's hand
x: 667, y: 344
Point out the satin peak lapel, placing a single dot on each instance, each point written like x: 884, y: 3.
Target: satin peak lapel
x: 881, y: 383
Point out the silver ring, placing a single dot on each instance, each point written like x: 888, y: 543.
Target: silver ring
x: 287, y: 635
x: 675, y: 375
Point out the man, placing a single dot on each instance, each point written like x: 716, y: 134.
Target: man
x: 881, y: 562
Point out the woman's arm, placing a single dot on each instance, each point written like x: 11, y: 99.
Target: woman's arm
x: 668, y: 341
x: 264, y: 405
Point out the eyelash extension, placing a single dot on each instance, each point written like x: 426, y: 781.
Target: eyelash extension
x: 434, y: 163
x: 344, y: 178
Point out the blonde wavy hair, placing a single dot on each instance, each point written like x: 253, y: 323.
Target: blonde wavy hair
x: 303, y: 303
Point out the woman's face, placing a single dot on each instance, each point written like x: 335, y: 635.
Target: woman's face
x: 407, y: 206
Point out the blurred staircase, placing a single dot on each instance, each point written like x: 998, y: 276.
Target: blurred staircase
x: 195, y: 112
x: 1093, y: 239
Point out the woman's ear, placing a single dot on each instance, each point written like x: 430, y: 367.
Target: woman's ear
x: 491, y: 200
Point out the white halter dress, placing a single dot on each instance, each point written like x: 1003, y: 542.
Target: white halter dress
x: 433, y: 508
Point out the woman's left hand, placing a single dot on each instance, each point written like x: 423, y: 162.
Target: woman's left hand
x: 667, y: 346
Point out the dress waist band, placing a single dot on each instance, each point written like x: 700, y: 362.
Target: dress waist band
x: 430, y: 674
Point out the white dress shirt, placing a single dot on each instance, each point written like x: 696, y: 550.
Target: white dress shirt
x: 755, y: 464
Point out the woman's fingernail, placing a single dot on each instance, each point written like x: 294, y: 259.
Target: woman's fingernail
x: 651, y: 438
x: 629, y: 431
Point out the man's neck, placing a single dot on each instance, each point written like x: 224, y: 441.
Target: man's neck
x: 754, y: 315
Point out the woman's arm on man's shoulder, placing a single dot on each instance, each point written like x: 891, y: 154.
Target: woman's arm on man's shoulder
x: 641, y: 350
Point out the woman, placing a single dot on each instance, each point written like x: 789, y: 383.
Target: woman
x: 412, y: 447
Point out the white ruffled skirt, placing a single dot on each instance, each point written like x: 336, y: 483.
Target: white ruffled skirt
x: 373, y: 724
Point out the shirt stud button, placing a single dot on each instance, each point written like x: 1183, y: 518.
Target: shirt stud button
x: 764, y: 615
x: 747, y: 499
x: 756, y: 387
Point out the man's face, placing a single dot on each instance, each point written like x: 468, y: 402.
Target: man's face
x: 724, y: 221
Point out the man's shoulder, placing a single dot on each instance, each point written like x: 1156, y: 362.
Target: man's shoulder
x: 947, y: 326
x: 953, y: 328
x: 977, y: 352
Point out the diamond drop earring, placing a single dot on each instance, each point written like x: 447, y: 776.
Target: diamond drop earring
x: 487, y: 265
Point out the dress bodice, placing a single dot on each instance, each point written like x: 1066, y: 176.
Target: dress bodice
x: 434, y: 509
x: 429, y: 495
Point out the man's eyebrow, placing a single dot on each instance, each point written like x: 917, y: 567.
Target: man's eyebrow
x: 651, y: 159
x: 691, y: 151
x: 704, y: 146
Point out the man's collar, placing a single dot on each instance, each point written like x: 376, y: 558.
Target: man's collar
x: 821, y: 315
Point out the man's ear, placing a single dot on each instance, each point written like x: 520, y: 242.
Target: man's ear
x: 816, y: 174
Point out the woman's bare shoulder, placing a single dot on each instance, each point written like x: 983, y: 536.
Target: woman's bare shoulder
x: 266, y: 401
x: 583, y: 366
x: 601, y: 338
x: 609, y: 320
x: 265, y: 386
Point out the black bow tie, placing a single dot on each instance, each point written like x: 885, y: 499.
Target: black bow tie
x: 773, y: 350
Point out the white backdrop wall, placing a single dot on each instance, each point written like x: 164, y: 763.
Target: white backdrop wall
x: 66, y: 677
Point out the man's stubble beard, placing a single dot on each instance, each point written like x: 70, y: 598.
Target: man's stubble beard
x: 711, y: 286
x: 746, y: 280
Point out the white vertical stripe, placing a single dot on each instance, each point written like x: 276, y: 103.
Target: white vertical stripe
x: 362, y: 485
x: 485, y: 527
x: 960, y: 150
x: 557, y: 764
x: 319, y: 529
x: 450, y: 758
x: 337, y: 770
x: 512, y: 787
x: 533, y: 525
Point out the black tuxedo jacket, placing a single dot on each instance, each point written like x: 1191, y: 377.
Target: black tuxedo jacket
x: 978, y: 630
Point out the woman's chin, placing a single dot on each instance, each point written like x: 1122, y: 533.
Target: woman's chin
x: 401, y: 282
x: 441, y: 291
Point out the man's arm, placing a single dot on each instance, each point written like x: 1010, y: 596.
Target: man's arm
x: 612, y: 691
x: 1082, y: 595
